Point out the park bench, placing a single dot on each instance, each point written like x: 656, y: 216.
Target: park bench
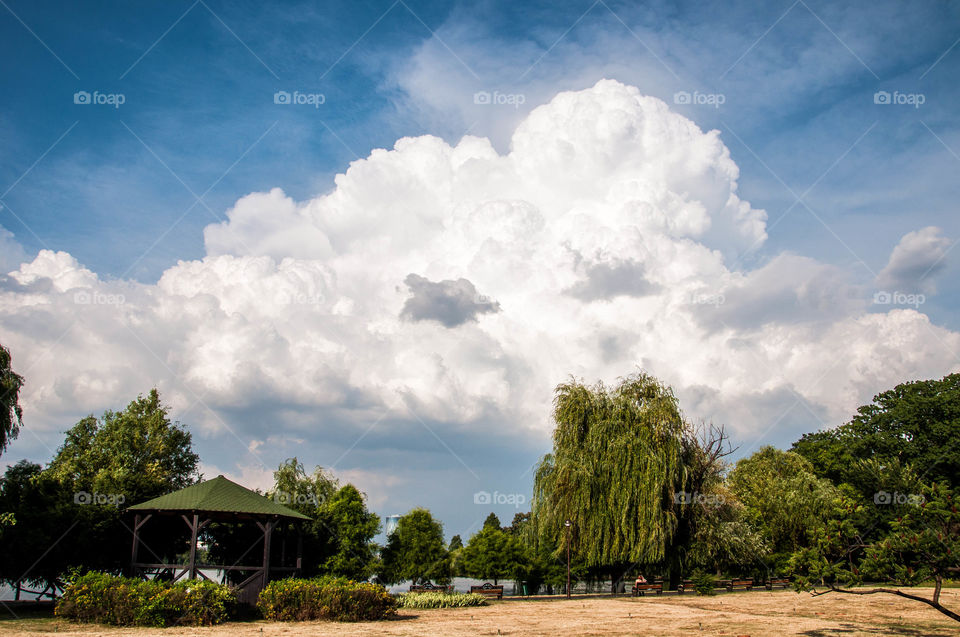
x: 488, y: 590
x: 639, y: 590
x: 782, y: 582
x: 684, y: 586
x: 744, y: 584
x: 428, y: 588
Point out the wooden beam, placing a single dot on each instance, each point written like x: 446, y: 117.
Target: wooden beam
x: 193, y: 545
x: 267, y: 536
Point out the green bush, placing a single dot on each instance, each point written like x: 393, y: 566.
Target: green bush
x: 122, y: 601
x: 440, y: 600
x: 330, y: 598
x: 704, y: 583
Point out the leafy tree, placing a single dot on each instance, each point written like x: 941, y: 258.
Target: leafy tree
x: 915, y: 423
x: 70, y: 514
x: 43, y: 513
x: 11, y: 414
x: 923, y: 543
x: 494, y: 554
x: 138, y: 453
x: 353, y: 528
x: 309, y: 494
x: 304, y: 493
x: 520, y: 521
x: 415, y: 550
x: 782, y: 498
x: 456, y: 550
x: 724, y: 539
x: 620, y: 457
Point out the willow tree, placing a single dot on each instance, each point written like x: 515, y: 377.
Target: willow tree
x: 10, y: 411
x: 619, y: 464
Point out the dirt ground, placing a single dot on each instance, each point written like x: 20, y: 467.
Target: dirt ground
x: 755, y: 613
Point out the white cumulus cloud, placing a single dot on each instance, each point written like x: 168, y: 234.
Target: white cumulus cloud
x: 603, y: 241
x: 915, y: 262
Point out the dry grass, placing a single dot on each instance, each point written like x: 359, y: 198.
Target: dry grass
x: 746, y: 613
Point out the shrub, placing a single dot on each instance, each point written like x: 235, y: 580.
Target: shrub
x: 704, y: 583
x: 330, y: 598
x: 440, y: 600
x: 124, y: 601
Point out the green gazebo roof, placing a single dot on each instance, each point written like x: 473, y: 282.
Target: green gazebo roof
x: 218, y: 495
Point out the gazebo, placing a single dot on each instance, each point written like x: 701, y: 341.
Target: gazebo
x: 216, y: 500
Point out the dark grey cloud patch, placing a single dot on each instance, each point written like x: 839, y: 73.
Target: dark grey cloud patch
x: 606, y: 281
x: 449, y: 302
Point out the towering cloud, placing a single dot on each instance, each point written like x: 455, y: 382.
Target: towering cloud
x: 452, y: 285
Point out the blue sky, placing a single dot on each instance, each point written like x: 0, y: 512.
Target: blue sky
x: 128, y: 190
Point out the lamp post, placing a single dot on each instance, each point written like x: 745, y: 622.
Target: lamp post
x: 568, y: 524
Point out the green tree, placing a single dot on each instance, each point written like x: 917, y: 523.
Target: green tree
x: 915, y: 423
x: 415, y: 551
x: 455, y: 548
x: 11, y: 415
x: 782, y: 498
x: 307, y: 493
x: 922, y: 544
x: 43, y: 512
x: 75, y: 505
x: 495, y: 554
x: 137, y: 453
x: 353, y: 528
x: 621, y: 456
x: 724, y: 539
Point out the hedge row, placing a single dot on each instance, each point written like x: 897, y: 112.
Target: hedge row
x: 440, y: 600
x: 325, y: 598
x: 121, y: 601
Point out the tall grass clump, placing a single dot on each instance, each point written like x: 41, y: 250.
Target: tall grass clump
x: 440, y: 600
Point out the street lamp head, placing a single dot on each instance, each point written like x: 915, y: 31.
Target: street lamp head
x: 568, y: 523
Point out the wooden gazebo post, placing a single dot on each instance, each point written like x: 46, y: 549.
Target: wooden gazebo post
x: 267, y: 535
